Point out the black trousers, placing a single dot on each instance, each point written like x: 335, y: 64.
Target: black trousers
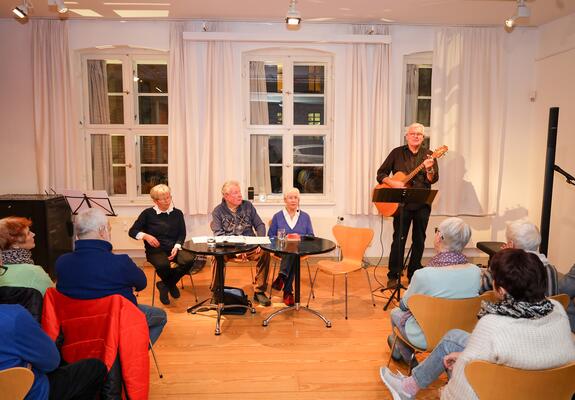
x: 419, y: 218
x: 170, y: 276
x: 81, y: 380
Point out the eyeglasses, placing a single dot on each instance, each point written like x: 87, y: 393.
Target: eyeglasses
x: 438, y: 231
x: 3, y: 270
x: 415, y: 134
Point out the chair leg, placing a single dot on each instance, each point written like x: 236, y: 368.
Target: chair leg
x: 154, y: 288
x: 392, y: 348
x: 309, y: 274
x: 345, y: 296
x: 370, y: 291
x: 332, y: 285
x: 156, y: 361
x: 193, y: 286
x: 273, y: 274
x: 312, y: 284
x: 253, y: 276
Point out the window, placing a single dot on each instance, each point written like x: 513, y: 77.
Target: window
x: 126, y: 122
x: 288, y: 122
x: 417, y: 105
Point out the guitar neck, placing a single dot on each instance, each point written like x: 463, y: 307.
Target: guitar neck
x: 413, y: 173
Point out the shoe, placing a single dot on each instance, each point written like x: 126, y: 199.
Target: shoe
x: 288, y: 299
x: 163, y: 289
x: 174, y: 291
x: 278, y: 283
x: 396, y: 355
x: 261, y: 298
x: 391, y: 282
x: 393, y: 383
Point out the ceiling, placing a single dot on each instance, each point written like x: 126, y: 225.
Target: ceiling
x: 440, y: 12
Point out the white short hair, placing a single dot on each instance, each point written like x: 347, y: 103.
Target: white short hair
x: 291, y: 191
x: 455, y: 233
x: 157, y: 191
x: 524, y: 235
x: 228, y: 184
x: 416, y: 126
x: 90, y: 220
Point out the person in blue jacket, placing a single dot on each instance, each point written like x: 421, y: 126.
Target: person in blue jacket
x: 24, y: 344
x: 292, y: 220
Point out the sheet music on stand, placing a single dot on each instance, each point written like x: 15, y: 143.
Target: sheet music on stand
x: 79, y: 200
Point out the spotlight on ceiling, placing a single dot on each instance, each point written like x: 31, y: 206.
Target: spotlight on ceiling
x: 522, y: 12
x: 293, y: 16
x: 21, y: 11
x: 60, y: 6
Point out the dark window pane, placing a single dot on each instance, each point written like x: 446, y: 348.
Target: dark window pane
x: 114, y: 74
x: 424, y: 88
x: 308, y: 149
x: 153, y: 110
x: 308, y: 79
x: 273, y: 78
x: 424, y: 111
x: 118, y: 150
x: 152, y: 78
x: 275, y: 146
x: 119, y: 180
x: 116, y: 104
x: 308, y: 110
x: 276, y: 177
x: 152, y: 176
x: 308, y: 179
x: 154, y: 150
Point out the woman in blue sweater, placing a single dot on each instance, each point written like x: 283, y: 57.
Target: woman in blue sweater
x: 293, y: 221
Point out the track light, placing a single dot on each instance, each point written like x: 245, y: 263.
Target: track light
x: 21, y: 11
x: 522, y: 12
x: 293, y: 16
x: 59, y: 5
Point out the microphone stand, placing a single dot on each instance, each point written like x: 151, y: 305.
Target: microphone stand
x: 570, y: 179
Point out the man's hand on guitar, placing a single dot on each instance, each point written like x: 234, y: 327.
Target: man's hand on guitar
x: 428, y: 163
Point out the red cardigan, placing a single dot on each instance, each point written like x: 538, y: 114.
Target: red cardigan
x: 100, y: 328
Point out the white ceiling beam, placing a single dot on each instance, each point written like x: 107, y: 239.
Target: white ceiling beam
x: 286, y: 37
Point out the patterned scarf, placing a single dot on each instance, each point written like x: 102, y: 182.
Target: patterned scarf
x: 447, y: 258
x: 510, y: 307
x: 17, y: 256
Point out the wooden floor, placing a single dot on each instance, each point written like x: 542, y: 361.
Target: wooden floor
x: 295, y: 357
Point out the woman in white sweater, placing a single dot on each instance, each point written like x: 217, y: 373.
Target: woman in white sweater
x: 524, y: 330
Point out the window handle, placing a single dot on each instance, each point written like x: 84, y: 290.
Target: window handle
x: 129, y: 165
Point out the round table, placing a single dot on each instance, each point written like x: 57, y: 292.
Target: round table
x: 306, y: 246
x: 216, y: 302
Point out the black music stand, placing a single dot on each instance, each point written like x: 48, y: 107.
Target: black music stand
x: 78, y: 201
x: 403, y: 197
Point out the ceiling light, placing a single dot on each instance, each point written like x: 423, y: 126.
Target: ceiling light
x: 59, y: 5
x: 21, y: 11
x: 522, y: 12
x: 293, y: 16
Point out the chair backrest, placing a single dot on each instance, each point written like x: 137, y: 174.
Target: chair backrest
x: 352, y: 241
x: 493, y: 381
x: 561, y: 298
x: 15, y: 383
x: 29, y: 298
x: 436, y: 316
x: 489, y: 296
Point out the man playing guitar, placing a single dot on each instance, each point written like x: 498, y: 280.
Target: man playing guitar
x: 406, y: 159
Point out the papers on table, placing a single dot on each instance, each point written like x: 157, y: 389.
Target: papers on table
x: 233, y: 239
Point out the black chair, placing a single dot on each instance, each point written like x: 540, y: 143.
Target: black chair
x: 29, y: 298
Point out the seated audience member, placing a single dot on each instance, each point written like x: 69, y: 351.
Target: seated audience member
x: 24, y: 344
x: 292, y: 220
x: 92, y: 271
x: 523, y: 330
x: 16, y: 243
x: 525, y: 236
x: 567, y: 286
x: 447, y: 275
x: 235, y: 216
x: 163, y: 230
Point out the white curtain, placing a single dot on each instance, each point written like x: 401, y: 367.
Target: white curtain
x: 467, y: 116
x: 54, y: 130
x: 368, y: 119
x: 204, y: 141
x: 411, y: 91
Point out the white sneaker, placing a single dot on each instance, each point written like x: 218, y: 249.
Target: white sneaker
x: 393, y: 383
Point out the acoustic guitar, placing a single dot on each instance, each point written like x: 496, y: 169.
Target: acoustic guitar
x: 389, y: 209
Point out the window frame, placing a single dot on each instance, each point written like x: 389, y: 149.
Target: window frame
x: 422, y: 59
x: 288, y: 130
x: 130, y: 129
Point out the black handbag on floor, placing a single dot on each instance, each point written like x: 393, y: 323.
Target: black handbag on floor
x: 234, y: 295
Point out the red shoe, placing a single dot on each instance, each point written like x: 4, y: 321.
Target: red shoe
x: 278, y: 283
x: 288, y: 299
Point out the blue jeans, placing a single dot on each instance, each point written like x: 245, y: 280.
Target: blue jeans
x: 405, y: 351
x: 156, y: 319
x: 287, y: 269
x: 431, y: 369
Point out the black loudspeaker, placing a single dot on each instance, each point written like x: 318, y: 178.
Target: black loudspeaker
x: 51, y: 222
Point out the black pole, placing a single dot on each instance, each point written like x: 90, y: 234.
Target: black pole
x: 548, y: 182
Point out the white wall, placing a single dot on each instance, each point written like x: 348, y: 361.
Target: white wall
x: 520, y: 197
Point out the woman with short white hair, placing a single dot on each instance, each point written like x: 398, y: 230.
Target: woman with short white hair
x: 447, y: 275
x: 293, y: 221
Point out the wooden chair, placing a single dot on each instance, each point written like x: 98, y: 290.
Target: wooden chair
x: 436, y: 316
x: 353, y: 243
x: 15, y: 383
x: 561, y: 298
x: 493, y: 382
